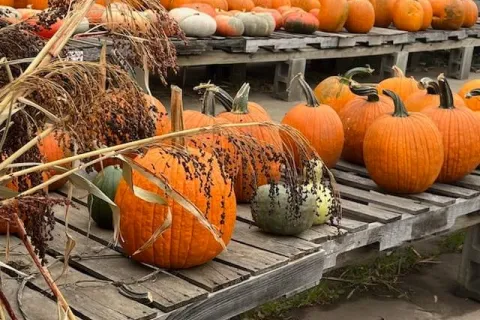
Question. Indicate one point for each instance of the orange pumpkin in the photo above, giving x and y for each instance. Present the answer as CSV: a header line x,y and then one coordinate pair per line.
x,y
315,12
472,102
306,5
17,4
300,22
427,14
264,172
228,26
275,14
448,15
333,15
54,147
403,152
384,13
280,3
38,4
94,15
471,13
335,92
224,150
357,116
242,5
408,15
202,7
416,102
263,3
460,131
400,84
217,204
325,130
361,16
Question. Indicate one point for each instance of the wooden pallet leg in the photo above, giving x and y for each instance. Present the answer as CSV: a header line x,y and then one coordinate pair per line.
x,y
139,75
284,73
399,59
469,273
459,63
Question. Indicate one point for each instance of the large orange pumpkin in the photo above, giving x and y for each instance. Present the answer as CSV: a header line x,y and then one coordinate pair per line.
x,y
242,5
357,116
225,151
471,13
361,16
401,85
324,130
38,4
427,14
333,15
472,102
280,3
448,14
202,7
403,151
264,171
460,132
186,243
384,13
335,92
418,101
54,147
263,3
306,5
408,15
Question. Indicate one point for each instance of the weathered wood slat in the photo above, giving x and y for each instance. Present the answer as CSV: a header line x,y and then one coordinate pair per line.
x,y
368,213
251,259
363,182
471,182
321,233
409,206
91,298
352,225
169,292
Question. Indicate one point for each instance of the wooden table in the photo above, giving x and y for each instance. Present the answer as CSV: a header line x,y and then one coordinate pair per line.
x,y
256,268
291,51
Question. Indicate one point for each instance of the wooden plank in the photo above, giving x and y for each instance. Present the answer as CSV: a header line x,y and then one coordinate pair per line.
x,y
249,294
251,259
409,206
352,225
470,182
169,292
290,247
92,300
368,213
363,182
453,191
321,233
213,276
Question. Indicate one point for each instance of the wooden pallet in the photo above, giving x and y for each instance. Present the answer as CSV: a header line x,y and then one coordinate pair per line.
x,y
256,268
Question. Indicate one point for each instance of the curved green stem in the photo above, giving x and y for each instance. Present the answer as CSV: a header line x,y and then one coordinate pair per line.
x,y
208,104
359,70
240,102
307,91
473,93
430,85
400,110
446,96
221,95
365,91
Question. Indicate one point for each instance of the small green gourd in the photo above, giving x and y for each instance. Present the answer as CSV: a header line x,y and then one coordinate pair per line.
x,y
324,196
107,181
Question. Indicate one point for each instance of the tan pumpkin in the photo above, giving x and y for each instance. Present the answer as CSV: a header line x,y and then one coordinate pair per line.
x,y
194,23
229,26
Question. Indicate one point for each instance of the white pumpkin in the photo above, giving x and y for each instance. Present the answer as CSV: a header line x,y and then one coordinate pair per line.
x,y
83,26
194,23
257,24
9,14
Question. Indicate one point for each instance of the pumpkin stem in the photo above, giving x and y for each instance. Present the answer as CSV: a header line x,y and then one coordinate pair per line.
x,y
208,103
307,91
221,95
370,92
240,102
430,85
347,77
400,110
176,108
397,72
446,96
473,93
